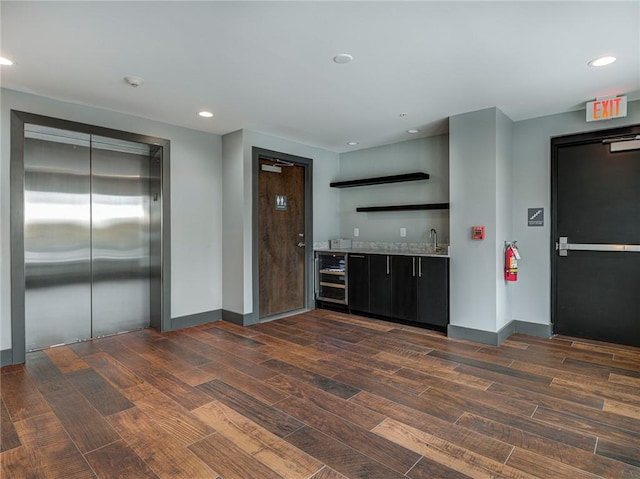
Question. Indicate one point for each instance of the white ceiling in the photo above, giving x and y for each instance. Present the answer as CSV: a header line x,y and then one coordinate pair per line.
x,y
267,66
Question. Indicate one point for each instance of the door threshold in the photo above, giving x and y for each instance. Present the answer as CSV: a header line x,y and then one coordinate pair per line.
x,y
84,340
286,314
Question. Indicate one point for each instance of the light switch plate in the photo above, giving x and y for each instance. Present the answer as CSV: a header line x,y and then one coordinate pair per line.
x,y
356,232
403,232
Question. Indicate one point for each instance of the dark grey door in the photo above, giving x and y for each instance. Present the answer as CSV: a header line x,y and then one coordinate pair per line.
x,y
596,266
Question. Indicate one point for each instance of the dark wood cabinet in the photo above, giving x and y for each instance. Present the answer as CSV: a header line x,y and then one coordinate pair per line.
x,y
358,281
433,291
406,288
380,284
403,288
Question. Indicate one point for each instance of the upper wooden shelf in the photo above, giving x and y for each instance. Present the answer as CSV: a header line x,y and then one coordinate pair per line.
x,y
380,180
428,206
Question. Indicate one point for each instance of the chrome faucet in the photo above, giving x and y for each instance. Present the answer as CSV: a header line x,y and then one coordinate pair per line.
x,y
433,234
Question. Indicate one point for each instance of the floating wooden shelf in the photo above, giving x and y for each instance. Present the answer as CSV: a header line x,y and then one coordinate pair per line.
x,y
380,180
428,206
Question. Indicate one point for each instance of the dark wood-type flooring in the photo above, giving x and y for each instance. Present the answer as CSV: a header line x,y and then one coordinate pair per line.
x,y
322,395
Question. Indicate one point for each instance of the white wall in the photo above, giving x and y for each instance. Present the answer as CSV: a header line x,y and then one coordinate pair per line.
x,y
531,295
429,155
238,243
196,202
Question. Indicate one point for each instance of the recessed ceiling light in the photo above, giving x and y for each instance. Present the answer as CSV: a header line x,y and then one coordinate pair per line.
x,y
205,114
5,61
602,61
413,131
343,58
353,143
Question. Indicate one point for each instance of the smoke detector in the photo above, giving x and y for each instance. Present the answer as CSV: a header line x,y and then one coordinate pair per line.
x,y
134,81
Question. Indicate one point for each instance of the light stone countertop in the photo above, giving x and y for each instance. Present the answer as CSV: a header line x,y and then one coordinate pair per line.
x,y
400,252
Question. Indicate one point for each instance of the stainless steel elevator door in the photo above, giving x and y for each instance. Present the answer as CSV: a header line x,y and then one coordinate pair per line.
x,y
57,236
120,235
87,236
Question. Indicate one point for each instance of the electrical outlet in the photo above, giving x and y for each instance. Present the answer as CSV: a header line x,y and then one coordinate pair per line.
x,y
356,232
403,232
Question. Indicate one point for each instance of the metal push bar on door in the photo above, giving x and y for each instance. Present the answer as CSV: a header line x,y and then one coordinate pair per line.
x,y
563,247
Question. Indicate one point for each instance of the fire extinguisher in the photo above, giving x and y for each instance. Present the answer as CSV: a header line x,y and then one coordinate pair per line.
x,y
511,257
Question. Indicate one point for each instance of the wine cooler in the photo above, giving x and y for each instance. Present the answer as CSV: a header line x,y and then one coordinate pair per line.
x,y
331,277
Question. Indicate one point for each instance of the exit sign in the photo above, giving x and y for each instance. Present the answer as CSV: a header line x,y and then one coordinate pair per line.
x,y
607,108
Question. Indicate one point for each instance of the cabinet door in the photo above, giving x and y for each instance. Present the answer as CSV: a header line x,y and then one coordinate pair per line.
x,y
358,274
433,291
403,287
380,284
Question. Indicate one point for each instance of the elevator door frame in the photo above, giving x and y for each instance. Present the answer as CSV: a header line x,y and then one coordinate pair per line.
x,y
162,319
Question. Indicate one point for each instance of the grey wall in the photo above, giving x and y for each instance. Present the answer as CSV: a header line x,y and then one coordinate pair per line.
x,y
233,222
504,193
531,163
486,151
499,169
430,155
473,183
238,188
196,202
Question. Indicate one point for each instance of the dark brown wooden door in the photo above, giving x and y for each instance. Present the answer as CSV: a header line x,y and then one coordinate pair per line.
x,y
281,247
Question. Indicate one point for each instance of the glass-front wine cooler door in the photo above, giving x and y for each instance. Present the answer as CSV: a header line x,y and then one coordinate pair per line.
x,y
331,278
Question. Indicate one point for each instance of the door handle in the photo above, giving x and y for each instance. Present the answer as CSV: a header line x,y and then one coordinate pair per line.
x,y
301,244
316,286
563,247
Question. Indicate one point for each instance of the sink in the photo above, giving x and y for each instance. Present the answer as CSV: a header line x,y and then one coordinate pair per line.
x,y
439,250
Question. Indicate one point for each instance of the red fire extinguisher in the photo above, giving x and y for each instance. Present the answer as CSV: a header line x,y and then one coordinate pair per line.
x,y
511,257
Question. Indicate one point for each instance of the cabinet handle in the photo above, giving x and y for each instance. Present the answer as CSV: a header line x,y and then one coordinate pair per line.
x,y
414,266
420,267
317,286
356,256
387,264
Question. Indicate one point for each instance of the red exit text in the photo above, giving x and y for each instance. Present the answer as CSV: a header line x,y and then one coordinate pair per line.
x,y
607,109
